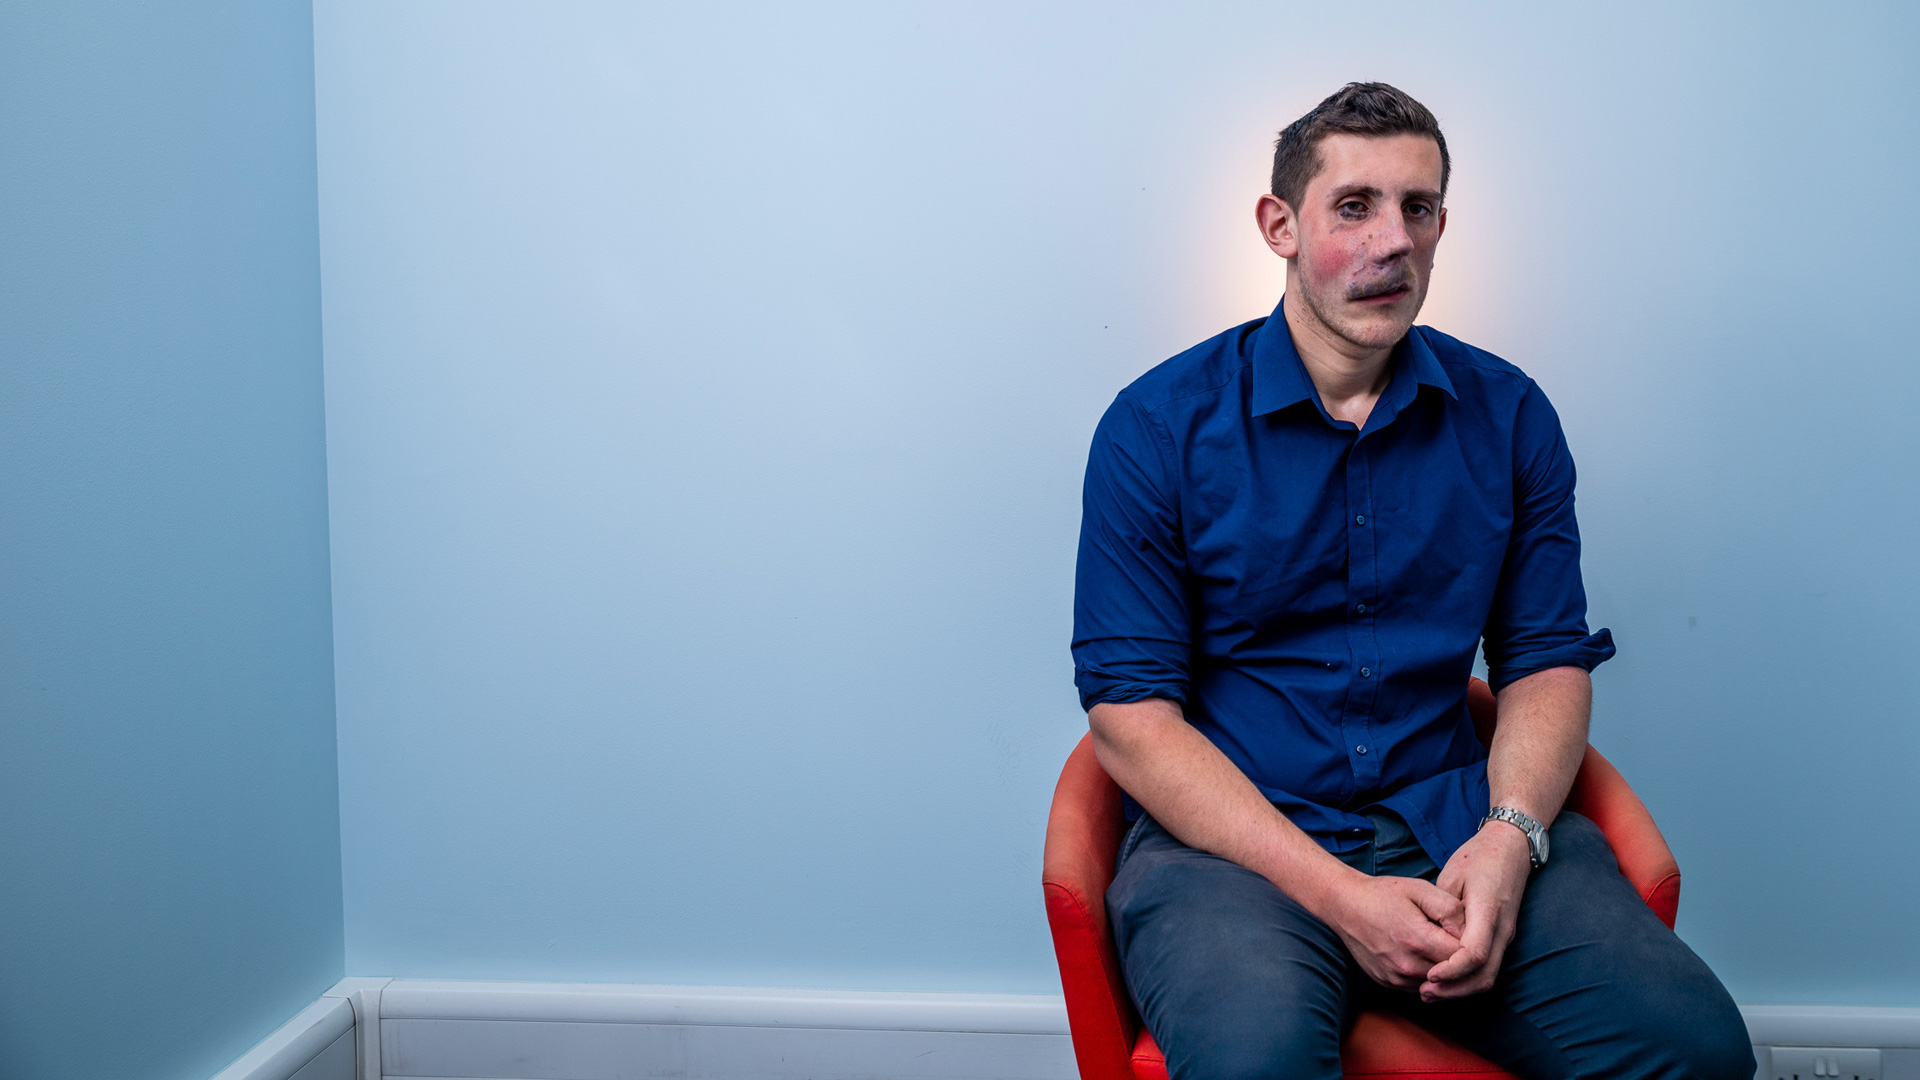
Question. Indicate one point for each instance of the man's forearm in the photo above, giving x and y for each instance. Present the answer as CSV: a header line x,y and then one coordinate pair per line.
x,y
1396,928
1206,802
1539,741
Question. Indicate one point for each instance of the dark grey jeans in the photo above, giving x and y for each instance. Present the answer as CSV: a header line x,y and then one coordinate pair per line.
x,y
1236,981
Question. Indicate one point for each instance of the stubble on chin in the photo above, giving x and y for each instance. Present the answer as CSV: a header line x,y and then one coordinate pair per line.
x,y
1376,329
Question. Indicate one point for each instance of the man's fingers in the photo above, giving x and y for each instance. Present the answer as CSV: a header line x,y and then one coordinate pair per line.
x,y
1412,926
1476,948
1463,964
1433,939
1429,943
1465,961
1496,955
1461,975
1440,906
1432,991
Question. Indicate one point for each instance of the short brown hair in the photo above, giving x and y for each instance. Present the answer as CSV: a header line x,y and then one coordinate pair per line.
x,y
1369,108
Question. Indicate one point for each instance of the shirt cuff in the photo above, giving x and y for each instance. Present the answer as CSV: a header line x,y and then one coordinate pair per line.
x,y
1587,653
1098,686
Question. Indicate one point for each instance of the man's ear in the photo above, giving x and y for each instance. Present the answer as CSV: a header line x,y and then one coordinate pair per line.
x,y
1278,226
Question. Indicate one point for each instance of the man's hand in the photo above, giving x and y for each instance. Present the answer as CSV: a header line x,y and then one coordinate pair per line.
x,y
1488,875
1398,928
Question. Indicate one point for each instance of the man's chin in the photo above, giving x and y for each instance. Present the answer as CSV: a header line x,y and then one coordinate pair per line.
x,y
1377,329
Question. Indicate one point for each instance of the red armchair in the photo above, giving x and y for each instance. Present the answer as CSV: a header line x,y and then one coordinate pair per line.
x,y
1083,835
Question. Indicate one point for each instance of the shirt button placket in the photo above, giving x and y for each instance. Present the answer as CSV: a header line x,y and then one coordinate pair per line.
x,y
1362,567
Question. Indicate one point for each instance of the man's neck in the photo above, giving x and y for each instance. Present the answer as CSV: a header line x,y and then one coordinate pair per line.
x,y
1349,377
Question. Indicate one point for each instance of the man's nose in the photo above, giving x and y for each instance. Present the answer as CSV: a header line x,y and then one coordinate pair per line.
x,y
1392,240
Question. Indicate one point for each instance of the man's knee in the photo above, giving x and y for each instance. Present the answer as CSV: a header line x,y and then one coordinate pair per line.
x,y
1715,1047
1686,1040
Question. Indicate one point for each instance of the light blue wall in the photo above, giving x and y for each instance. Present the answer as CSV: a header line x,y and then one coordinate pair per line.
x,y
708,389
169,844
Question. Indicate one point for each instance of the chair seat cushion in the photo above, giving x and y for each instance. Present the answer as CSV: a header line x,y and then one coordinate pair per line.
x,y
1380,1045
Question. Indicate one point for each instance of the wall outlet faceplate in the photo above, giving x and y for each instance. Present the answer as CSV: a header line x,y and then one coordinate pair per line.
x,y
1823,1063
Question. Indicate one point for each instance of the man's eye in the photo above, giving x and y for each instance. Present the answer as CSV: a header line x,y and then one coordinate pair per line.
x,y
1353,208
1419,210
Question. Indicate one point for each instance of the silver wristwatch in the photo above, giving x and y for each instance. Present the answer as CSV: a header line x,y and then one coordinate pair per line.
x,y
1536,832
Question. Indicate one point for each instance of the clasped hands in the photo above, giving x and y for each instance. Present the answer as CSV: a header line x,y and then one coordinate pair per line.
x,y
1445,939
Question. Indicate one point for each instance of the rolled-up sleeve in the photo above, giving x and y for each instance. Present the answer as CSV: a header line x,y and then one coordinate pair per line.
x,y
1131,630
1539,614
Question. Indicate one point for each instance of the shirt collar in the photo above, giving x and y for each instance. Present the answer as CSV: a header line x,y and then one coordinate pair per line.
x,y
1280,379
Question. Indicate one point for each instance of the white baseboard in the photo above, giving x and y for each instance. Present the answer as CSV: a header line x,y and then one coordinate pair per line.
x,y
549,1031
364,995
1832,1025
317,1044
409,1029
724,1006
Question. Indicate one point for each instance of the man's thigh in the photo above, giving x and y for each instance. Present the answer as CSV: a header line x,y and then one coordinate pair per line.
x,y
1233,978
1594,985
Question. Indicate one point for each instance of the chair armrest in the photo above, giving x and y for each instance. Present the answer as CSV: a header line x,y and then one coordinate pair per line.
x,y
1083,835
1601,794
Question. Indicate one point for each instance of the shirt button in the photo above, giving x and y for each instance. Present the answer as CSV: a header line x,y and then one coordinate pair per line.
x,y
1361,608
1366,673
1359,749
1359,519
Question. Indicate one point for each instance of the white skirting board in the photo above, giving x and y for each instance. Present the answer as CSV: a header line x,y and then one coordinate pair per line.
x,y
317,1044
405,1029
534,1031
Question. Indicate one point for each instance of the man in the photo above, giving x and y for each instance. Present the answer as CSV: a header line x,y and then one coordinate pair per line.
x,y
1295,536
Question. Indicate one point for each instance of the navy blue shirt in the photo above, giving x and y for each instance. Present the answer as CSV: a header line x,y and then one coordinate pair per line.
x,y
1313,593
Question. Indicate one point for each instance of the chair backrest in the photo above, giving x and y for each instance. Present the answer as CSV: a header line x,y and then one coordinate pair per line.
x,y
1083,839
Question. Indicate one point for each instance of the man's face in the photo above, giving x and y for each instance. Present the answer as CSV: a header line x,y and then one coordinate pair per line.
x,y
1361,244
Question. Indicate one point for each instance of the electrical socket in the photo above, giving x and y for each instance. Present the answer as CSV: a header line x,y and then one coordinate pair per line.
x,y
1824,1062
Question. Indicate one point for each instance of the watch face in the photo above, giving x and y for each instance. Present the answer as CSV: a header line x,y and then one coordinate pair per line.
x,y
1542,837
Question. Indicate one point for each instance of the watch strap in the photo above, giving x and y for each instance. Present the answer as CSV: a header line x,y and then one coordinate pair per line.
x,y
1536,833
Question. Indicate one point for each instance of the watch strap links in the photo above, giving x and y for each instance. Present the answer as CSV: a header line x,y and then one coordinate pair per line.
x,y
1536,833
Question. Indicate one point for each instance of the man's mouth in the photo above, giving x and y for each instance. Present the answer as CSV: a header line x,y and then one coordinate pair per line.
x,y
1384,291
